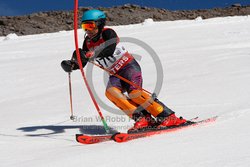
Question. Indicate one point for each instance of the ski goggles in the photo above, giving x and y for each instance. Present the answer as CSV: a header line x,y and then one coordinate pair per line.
x,y
89,25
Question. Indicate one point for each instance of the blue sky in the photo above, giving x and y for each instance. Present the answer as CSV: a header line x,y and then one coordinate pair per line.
x,y
22,7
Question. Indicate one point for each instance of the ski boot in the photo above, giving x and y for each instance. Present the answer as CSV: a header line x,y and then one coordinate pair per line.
x,y
171,120
143,121
167,117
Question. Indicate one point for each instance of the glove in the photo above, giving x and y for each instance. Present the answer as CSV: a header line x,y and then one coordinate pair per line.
x,y
84,59
69,65
74,56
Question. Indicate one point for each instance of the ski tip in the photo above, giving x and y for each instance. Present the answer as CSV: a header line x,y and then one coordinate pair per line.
x,y
77,137
212,118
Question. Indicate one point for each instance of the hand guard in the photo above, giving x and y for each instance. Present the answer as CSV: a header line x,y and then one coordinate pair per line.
x,y
90,54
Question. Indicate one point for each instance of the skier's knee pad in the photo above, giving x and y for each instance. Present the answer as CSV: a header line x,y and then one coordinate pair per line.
x,y
120,100
146,101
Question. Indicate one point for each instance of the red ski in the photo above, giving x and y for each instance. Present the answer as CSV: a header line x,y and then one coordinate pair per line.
x,y
85,139
124,137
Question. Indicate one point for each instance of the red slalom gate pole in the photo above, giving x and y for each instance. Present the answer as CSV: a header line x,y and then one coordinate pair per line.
x,y
81,68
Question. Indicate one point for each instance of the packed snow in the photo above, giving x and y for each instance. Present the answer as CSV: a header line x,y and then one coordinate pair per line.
x,y
206,72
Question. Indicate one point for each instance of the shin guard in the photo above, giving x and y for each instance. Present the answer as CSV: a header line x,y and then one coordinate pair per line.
x,y
121,101
146,101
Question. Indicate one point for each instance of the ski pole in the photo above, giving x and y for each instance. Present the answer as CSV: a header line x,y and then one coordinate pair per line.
x,y
81,68
72,117
122,78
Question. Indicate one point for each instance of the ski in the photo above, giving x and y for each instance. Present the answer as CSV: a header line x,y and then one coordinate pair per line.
x,y
124,137
86,139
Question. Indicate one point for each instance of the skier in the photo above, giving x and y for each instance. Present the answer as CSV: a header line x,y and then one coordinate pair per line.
x,y
102,45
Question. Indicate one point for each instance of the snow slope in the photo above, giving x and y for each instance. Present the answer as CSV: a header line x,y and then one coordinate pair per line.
x,y
206,73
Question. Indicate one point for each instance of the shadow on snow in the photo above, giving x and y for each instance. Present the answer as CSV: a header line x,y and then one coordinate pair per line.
x,y
60,129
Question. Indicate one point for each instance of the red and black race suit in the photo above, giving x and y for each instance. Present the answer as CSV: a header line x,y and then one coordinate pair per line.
x,y
109,53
